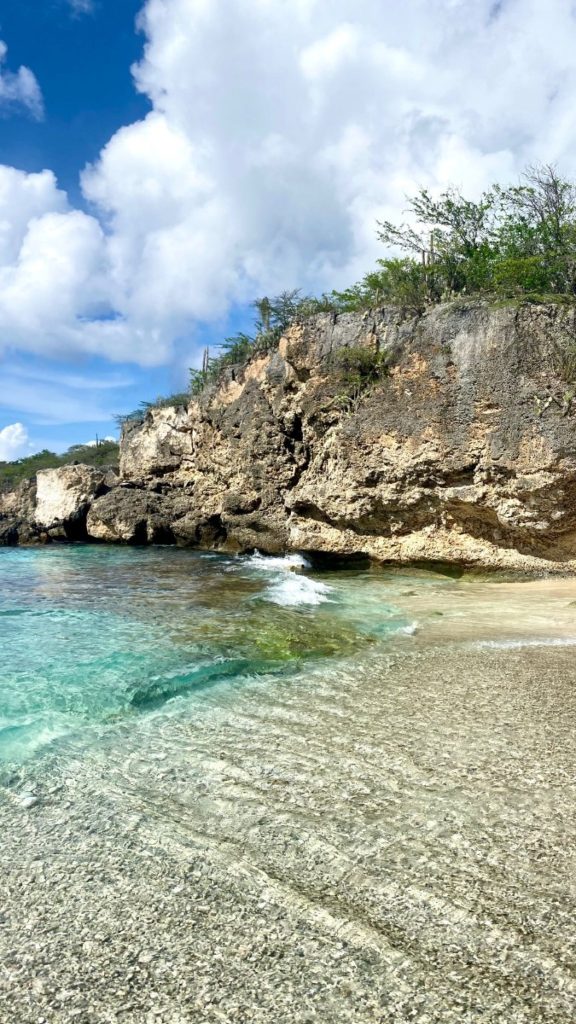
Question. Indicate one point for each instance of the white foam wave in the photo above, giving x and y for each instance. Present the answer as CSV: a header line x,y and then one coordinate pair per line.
x,y
20,739
408,630
288,585
297,590
565,641
272,563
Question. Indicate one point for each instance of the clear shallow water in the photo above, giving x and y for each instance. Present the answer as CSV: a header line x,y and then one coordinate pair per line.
x,y
91,635
236,792
88,635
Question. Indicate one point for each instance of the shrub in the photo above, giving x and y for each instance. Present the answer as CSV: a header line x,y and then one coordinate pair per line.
x,y
162,402
355,369
273,318
402,282
104,454
515,276
513,241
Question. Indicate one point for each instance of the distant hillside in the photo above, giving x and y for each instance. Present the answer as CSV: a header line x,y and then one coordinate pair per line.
x,y
104,454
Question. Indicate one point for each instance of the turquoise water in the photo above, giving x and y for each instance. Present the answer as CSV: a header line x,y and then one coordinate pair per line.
x,y
244,775
89,634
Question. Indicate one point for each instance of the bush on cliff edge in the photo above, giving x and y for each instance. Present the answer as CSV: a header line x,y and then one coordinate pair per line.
x,y
514,243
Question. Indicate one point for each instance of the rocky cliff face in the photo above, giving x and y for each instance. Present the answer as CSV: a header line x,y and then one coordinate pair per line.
x,y
63,498
465,452
17,510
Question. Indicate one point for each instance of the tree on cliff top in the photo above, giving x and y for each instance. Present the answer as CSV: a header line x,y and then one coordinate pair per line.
x,y
514,241
103,455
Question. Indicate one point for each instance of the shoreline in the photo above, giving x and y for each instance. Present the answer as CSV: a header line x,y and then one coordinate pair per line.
x,y
327,561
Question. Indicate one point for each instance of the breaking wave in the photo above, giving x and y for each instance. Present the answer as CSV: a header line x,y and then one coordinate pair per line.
x,y
298,590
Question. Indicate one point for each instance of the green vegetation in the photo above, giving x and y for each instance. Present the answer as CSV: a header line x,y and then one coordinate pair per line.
x,y
273,318
398,282
514,244
105,454
354,369
162,402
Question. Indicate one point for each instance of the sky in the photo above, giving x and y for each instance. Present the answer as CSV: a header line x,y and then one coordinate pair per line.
x,y
163,163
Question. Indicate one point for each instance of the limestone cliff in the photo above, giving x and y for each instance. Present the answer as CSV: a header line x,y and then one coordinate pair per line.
x,y
17,510
64,496
464,452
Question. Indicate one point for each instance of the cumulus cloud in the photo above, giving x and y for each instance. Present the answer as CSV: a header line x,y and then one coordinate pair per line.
x,y
279,133
19,88
14,442
53,274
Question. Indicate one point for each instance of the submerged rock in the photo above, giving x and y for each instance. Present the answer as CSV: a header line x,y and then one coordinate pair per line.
x,y
27,801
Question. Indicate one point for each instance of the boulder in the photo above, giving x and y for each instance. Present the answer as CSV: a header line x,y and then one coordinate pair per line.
x,y
17,515
156,447
63,497
20,503
131,516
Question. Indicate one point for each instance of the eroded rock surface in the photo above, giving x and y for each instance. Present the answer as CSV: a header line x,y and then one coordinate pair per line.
x,y
63,497
131,516
17,514
465,452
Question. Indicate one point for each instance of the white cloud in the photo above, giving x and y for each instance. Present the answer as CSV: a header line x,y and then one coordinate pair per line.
x,y
50,405
76,381
171,233
93,444
19,88
46,398
280,132
81,6
14,442
24,198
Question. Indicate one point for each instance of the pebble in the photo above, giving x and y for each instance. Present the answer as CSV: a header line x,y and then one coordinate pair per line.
x,y
432,896
28,801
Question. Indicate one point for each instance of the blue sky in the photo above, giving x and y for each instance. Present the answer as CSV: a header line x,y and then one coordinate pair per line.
x,y
82,63
81,59
156,177
83,107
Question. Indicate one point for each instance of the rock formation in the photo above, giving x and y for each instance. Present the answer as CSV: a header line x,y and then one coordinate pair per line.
x,y
463,452
17,509
63,497
132,516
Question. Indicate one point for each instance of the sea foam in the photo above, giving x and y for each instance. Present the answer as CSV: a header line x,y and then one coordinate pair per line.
x,y
564,641
272,563
296,590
